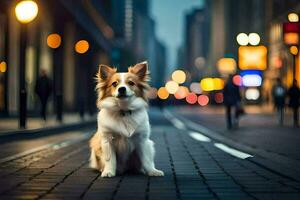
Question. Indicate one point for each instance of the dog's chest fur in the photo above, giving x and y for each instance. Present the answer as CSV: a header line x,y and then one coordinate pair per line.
x,y
118,123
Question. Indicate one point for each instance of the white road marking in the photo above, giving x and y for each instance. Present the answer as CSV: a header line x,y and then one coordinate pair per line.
x,y
232,151
178,124
199,137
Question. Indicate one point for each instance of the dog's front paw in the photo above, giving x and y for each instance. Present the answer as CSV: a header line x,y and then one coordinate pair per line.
x,y
107,173
156,172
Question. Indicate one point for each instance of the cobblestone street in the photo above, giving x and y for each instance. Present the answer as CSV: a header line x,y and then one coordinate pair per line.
x,y
193,170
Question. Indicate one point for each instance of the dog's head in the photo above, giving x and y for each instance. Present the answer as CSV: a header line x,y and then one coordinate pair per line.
x,y
123,86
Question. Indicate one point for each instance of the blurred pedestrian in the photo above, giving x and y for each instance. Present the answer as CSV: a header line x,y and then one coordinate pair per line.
x,y
232,100
43,89
294,96
279,94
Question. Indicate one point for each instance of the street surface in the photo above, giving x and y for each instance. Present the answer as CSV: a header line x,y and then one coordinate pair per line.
x,y
197,165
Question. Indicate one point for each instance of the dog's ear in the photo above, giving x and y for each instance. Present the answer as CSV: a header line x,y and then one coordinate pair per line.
x,y
105,72
141,70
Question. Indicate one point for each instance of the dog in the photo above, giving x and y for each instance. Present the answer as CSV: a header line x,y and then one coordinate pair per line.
x,y
122,141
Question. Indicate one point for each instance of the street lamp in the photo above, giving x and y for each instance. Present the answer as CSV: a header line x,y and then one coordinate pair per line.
x,y
25,11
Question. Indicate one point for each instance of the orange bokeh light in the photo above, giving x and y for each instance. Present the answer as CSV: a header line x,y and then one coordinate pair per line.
x,y
203,100
53,40
191,98
162,93
82,46
252,57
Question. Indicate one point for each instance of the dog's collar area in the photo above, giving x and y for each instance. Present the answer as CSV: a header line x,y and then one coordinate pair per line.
x,y
125,112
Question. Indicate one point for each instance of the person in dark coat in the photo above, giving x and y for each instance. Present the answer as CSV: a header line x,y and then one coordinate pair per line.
x,y
279,94
232,99
43,89
294,96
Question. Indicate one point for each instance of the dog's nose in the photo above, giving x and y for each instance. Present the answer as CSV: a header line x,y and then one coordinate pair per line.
x,y
122,90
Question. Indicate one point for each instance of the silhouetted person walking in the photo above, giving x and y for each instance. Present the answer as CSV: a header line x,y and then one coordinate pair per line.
x,y
279,94
43,88
294,96
232,99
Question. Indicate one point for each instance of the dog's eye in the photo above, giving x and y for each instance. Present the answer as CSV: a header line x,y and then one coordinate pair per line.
x,y
131,83
115,84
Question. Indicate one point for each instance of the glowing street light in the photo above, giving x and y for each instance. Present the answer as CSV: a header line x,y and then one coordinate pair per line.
x,y
26,11
254,39
293,17
242,39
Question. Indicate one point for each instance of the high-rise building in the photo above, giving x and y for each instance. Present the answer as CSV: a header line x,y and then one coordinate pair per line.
x,y
196,41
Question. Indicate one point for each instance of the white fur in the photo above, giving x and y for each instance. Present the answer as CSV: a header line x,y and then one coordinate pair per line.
x,y
121,135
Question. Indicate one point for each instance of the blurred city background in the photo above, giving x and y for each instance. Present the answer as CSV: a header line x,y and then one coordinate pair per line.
x,y
191,47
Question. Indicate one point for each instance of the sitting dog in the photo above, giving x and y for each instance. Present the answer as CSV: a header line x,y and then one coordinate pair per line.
x,y
122,140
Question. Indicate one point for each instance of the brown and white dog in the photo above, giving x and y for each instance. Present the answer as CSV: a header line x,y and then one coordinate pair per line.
x,y
122,140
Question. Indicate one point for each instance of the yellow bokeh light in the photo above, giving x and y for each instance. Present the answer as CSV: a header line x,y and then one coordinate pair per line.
x,y
172,87
26,11
207,84
82,46
162,93
3,67
53,40
293,17
218,83
211,84
294,50
179,76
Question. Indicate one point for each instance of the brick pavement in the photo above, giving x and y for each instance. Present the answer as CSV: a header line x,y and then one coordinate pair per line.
x,y
193,170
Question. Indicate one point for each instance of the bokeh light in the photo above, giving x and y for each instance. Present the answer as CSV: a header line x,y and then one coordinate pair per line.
x,y
210,84
3,67
293,17
237,80
82,46
254,39
152,93
181,93
218,83
179,76
162,93
294,50
252,94
219,97
26,11
251,80
203,100
54,40
191,98
195,87
207,84
172,87
242,39
226,65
